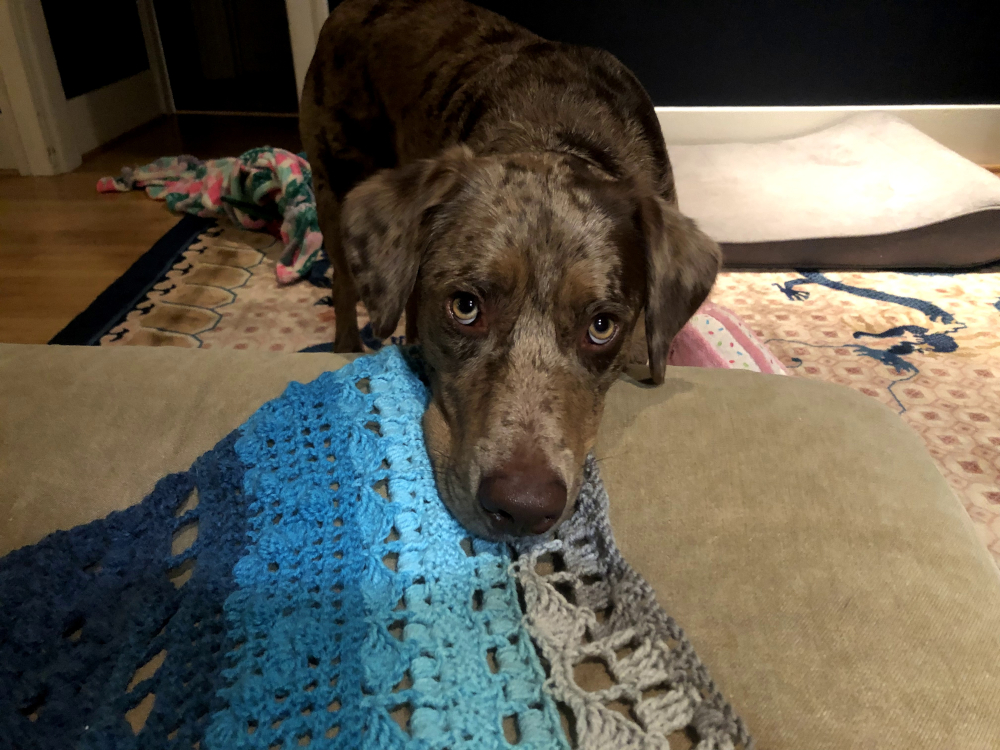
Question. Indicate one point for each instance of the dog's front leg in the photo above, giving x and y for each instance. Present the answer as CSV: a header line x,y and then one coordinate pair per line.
x,y
345,296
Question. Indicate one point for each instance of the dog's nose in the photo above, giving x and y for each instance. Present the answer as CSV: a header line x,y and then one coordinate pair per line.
x,y
523,496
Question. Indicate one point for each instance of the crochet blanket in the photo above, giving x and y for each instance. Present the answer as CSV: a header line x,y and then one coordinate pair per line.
x,y
302,584
263,189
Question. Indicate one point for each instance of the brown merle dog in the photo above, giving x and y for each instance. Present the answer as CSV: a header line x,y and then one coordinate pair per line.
x,y
514,196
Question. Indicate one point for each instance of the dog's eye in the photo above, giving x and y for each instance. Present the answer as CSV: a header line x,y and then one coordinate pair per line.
x,y
602,329
465,308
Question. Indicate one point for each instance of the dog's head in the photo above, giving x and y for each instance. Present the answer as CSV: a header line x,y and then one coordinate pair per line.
x,y
531,272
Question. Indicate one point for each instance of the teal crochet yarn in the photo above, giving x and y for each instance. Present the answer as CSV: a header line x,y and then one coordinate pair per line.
x,y
363,616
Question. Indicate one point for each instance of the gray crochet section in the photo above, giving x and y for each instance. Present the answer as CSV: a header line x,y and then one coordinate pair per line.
x,y
595,621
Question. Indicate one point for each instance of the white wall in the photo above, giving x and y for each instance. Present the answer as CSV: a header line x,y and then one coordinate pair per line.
x,y
105,113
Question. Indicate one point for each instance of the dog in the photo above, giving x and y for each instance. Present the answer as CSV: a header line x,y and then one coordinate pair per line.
x,y
514,197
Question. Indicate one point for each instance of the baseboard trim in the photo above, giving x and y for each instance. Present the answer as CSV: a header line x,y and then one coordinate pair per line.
x,y
971,130
228,113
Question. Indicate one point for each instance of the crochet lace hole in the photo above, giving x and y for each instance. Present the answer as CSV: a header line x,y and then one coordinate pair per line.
x,y
491,661
656,691
306,432
624,708
624,652
400,605
567,720
393,536
396,630
270,443
332,732
467,547
137,715
512,730
277,519
182,573
327,443
391,560
184,537
402,715
311,686
305,739
273,567
94,568
31,708
603,615
147,670
592,675
364,385
404,684
74,629
477,600
382,488
566,590
313,662
334,706
276,723
683,739
251,726
385,464
546,565
374,427
189,504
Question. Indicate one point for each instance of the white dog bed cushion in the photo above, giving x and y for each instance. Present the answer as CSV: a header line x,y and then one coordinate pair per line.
x,y
869,192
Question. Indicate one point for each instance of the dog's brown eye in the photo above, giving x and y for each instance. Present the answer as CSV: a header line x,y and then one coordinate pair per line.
x,y
465,308
602,329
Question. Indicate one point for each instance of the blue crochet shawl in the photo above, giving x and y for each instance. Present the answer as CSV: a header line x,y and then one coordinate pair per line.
x,y
303,585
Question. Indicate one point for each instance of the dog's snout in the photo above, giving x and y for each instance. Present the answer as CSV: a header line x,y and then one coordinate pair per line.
x,y
523,496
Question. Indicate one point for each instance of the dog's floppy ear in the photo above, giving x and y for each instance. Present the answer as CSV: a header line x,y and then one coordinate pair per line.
x,y
681,265
384,223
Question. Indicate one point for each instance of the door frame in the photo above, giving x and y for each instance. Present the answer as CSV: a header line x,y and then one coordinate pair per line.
x,y
305,20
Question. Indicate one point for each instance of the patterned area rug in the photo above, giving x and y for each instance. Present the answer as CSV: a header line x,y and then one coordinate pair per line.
x,y
221,293
925,344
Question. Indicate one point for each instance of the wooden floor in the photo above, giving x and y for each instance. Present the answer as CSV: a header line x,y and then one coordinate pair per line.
x,y
62,243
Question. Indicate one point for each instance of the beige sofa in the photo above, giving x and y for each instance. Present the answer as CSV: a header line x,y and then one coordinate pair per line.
x,y
798,531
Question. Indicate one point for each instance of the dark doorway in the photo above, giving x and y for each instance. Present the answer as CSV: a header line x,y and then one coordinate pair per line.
x,y
228,55
95,49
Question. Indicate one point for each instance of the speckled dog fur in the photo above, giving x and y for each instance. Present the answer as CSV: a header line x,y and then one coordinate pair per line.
x,y
455,152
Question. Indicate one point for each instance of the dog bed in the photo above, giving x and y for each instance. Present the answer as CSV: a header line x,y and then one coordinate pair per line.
x,y
870,192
